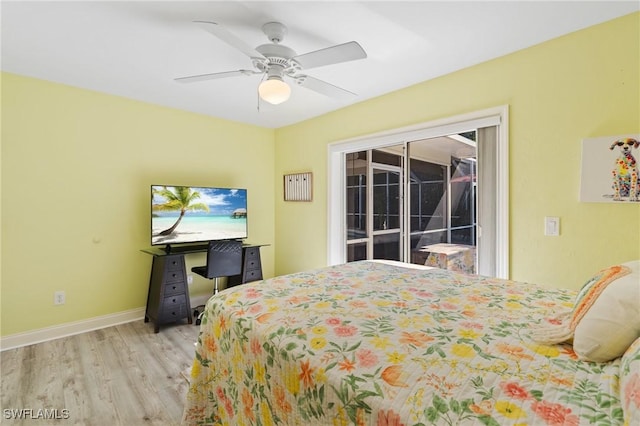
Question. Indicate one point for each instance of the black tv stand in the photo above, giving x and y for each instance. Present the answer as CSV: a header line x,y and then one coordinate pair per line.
x,y
168,298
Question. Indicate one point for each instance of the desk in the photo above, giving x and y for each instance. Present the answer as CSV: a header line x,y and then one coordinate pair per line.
x,y
455,257
168,298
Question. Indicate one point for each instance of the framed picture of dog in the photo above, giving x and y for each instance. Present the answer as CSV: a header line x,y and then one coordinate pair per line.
x,y
610,169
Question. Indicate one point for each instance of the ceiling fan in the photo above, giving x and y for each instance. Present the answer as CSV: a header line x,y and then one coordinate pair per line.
x,y
276,61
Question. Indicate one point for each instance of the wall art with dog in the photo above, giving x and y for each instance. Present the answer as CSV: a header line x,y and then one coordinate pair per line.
x,y
610,169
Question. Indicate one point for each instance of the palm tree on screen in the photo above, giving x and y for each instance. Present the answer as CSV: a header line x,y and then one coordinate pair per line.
x,y
182,199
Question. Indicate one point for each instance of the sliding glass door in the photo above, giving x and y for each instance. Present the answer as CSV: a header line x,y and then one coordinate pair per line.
x,y
374,232
440,225
453,191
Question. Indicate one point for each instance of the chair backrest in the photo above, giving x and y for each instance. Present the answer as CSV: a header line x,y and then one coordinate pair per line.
x,y
224,259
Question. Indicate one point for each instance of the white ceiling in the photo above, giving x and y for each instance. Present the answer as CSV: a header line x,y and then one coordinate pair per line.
x,y
135,49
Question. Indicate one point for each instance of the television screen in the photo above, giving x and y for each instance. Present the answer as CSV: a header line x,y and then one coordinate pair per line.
x,y
188,214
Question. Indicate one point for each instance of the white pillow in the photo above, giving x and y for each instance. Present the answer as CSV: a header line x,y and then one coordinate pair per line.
x,y
606,317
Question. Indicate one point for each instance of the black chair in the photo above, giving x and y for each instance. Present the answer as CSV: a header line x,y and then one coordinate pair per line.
x,y
224,259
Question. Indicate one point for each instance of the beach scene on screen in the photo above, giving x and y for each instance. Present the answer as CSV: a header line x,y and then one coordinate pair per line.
x,y
193,214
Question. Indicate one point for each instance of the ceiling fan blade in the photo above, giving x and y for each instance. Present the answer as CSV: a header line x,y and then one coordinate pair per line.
x,y
323,87
233,41
331,55
213,76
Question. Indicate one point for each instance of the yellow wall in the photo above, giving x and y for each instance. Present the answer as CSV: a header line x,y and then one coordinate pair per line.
x,y
582,85
77,165
76,171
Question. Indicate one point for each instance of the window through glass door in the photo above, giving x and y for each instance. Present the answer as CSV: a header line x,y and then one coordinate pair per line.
x,y
442,204
440,226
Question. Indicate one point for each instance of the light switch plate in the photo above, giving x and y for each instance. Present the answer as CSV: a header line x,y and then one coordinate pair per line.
x,y
552,226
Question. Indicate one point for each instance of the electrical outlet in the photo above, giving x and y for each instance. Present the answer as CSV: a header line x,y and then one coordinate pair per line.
x,y
189,279
59,298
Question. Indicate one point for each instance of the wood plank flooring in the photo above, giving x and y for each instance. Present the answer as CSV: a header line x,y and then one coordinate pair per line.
x,y
122,375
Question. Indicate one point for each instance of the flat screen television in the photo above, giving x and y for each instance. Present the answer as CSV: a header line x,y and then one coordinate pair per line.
x,y
192,214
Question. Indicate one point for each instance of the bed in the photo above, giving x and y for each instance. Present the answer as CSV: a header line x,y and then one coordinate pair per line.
x,y
371,343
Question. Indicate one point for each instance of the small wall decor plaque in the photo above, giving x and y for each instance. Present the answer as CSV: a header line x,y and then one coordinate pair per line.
x,y
298,187
610,169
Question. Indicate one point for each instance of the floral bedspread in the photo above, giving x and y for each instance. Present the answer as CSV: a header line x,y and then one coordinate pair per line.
x,y
368,343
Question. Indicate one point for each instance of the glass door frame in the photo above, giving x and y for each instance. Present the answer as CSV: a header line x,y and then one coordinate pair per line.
x,y
370,232
497,116
401,205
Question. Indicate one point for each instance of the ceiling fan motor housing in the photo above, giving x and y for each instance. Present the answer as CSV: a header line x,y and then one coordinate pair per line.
x,y
276,54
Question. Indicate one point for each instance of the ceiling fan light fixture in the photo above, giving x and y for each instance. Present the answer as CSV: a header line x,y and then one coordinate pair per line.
x,y
274,90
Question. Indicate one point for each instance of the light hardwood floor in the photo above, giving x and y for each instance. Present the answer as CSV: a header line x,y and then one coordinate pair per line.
x,y
121,375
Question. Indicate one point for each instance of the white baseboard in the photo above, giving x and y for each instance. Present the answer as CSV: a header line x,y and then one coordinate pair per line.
x,y
69,329
18,340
